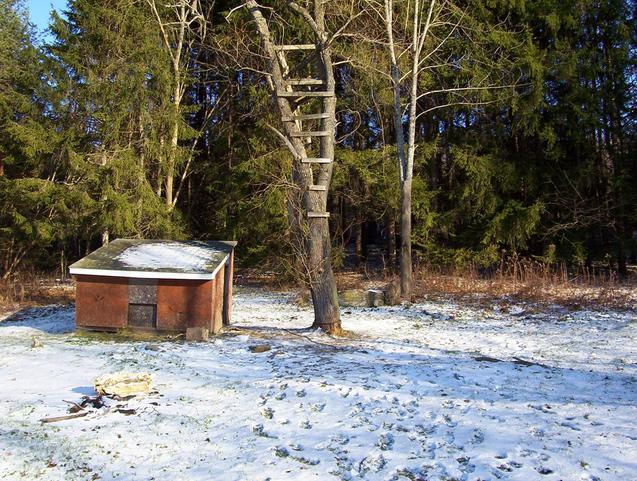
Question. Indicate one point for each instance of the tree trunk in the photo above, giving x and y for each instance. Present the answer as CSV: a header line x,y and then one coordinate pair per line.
x,y
177,35
405,194
405,240
172,156
405,191
322,282
406,150
141,148
391,240
405,178
159,173
358,239
622,264
324,293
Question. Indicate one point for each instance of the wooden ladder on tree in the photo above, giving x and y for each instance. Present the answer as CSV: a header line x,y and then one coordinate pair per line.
x,y
296,91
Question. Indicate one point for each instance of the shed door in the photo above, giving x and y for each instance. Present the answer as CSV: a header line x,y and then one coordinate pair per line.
x,y
142,303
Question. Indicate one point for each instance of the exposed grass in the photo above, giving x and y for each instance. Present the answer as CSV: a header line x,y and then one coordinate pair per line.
x,y
31,289
514,280
532,281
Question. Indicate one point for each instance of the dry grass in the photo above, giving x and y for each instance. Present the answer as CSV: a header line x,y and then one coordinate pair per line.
x,y
256,278
532,281
32,289
514,280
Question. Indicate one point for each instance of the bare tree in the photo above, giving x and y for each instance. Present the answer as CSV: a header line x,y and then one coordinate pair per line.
x,y
311,176
181,23
415,37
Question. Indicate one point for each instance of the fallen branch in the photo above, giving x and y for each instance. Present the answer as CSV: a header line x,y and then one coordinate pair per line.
x,y
126,412
487,359
524,362
516,360
322,344
63,418
75,407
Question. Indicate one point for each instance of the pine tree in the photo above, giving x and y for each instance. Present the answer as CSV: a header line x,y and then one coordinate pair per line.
x,y
112,84
37,213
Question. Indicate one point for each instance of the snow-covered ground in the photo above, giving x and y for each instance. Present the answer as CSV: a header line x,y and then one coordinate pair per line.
x,y
415,394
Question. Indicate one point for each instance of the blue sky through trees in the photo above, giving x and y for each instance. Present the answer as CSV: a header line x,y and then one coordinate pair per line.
x,y
40,11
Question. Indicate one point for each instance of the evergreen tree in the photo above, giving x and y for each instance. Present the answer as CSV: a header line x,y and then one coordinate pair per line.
x,y
111,85
88,148
38,213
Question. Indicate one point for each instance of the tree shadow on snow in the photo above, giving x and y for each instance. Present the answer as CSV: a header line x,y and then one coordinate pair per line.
x,y
85,390
390,367
53,319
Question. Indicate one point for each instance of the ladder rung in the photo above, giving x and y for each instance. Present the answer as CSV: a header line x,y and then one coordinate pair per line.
x,y
302,46
317,160
311,133
306,81
320,93
306,117
318,188
318,214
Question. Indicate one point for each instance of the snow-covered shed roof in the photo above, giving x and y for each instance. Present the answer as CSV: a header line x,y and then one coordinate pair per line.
x,y
156,259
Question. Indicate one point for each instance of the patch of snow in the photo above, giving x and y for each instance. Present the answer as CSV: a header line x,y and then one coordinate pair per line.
x,y
166,256
405,399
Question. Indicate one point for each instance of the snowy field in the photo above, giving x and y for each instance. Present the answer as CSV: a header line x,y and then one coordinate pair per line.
x,y
438,391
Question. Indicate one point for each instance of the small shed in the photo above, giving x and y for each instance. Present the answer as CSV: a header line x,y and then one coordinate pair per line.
x,y
160,285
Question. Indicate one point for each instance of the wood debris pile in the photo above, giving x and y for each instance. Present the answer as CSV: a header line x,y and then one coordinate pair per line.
x,y
120,387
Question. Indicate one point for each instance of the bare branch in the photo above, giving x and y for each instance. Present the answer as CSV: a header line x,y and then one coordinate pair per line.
x,y
469,88
285,141
455,104
308,18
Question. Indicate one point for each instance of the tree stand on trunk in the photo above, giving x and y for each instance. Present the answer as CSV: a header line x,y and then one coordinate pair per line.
x,y
310,223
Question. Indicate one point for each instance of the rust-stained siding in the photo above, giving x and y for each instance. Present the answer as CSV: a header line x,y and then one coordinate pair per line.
x,y
101,302
184,303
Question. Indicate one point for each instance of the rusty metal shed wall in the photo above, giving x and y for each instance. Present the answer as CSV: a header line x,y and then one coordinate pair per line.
x,y
101,302
184,303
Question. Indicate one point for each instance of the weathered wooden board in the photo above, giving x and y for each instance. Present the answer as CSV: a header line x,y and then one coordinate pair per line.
x,y
320,93
142,291
303,46
305,81
294,118
316,160
311,133
142,315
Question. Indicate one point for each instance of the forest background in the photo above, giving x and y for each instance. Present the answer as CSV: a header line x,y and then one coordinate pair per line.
x,y
109,129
